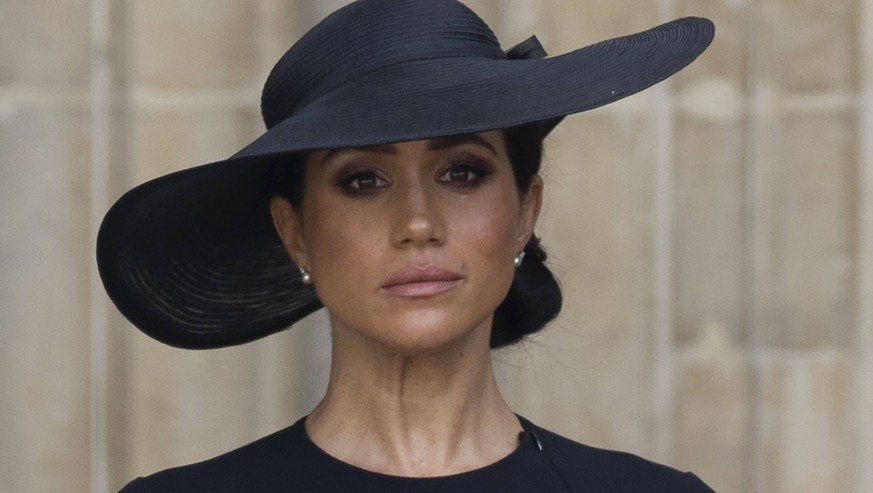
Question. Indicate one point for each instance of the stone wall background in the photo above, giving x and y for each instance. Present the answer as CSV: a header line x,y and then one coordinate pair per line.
x,y
714,236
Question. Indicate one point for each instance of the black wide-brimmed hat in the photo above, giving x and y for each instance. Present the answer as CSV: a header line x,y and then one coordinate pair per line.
x,y
192,258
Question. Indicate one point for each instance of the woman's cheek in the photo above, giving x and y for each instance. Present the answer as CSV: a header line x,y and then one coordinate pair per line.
x,y
492,234
348,253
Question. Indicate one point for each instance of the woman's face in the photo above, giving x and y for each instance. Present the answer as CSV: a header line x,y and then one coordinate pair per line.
x,y
410,245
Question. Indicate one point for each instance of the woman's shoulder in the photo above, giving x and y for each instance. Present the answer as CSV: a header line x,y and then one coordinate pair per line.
x,y
287,461
586,468
258,466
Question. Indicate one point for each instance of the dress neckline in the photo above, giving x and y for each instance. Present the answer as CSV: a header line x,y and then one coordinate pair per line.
x,y
528,445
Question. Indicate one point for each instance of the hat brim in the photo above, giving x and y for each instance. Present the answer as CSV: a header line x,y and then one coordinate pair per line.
x,y
449,96
192,259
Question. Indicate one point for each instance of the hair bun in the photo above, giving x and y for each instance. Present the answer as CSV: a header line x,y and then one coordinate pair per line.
x,y
534,299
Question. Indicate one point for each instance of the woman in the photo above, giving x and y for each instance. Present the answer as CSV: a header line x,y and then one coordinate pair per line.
x,y
399,175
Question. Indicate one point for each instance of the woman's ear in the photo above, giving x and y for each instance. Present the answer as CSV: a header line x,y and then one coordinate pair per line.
x,y
288,225
531,203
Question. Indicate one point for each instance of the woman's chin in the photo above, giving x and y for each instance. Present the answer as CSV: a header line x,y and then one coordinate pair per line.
x,y
427,332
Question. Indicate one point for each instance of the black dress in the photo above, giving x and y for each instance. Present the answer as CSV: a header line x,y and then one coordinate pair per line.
x,y
288,461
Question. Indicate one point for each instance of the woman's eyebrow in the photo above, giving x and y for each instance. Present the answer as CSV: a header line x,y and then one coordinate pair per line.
x,y
439,143
377,148
457,140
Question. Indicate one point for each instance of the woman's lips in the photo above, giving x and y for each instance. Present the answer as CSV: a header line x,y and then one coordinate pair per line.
x,y
416,281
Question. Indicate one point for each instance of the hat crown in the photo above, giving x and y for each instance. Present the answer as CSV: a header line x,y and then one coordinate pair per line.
x,y
367,35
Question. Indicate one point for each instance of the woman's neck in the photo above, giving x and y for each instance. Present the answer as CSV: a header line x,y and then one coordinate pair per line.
x,y
430,414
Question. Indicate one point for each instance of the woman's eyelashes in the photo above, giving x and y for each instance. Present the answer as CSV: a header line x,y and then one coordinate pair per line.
x,y
467,173
360,182
464,173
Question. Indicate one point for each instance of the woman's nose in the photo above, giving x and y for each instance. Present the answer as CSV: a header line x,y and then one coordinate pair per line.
x,y
419,221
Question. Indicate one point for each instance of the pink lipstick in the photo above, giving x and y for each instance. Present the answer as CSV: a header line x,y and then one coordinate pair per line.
x,y
416,281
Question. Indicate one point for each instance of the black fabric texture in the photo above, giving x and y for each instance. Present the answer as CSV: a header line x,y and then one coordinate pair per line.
x,y
288,461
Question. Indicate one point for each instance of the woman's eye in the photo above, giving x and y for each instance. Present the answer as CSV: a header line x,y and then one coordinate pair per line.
x,y
361,182
463,175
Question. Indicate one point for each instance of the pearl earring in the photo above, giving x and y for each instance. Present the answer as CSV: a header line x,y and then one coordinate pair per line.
x,y
304,276
519,257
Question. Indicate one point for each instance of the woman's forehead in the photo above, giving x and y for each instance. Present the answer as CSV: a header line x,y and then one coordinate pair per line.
x,y
491,141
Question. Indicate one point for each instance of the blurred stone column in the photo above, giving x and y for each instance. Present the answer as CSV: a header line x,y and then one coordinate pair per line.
x,y
863,384
710,255
194,70
44,251
728,330
803,240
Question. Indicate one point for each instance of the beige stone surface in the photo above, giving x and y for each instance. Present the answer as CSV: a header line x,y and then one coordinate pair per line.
x,y
44,255
713,413
590,373
712,321
182,397
811,238
709,245
208,402
167,140
803,427
808,45
281,26
44,43
194,44
727,58
572,24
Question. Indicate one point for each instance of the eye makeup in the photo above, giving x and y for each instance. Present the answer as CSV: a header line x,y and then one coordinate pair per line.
x,y
357,180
